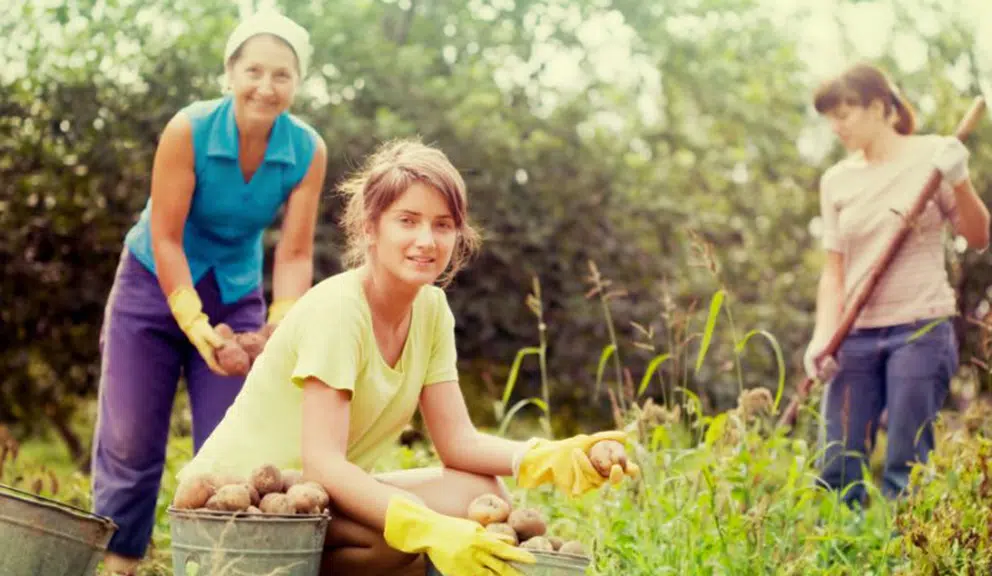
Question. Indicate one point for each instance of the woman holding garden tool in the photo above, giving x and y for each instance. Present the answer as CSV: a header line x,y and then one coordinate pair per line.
x,y
223,170
901,351
353,360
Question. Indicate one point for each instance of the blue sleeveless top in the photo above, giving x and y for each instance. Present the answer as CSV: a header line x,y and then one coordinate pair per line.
x,y
228,216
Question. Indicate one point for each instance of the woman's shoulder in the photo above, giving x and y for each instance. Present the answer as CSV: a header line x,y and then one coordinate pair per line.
x,y
200,109
838,170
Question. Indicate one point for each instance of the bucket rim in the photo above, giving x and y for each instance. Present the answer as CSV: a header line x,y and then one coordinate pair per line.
x,y
18,494
561,559
197,514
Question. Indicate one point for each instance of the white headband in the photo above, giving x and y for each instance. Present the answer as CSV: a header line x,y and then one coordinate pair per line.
x,y
269,22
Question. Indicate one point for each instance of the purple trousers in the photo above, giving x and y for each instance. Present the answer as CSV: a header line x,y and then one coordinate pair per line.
x,y
144,353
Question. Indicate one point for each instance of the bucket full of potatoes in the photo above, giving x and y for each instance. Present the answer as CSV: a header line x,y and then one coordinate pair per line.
x,y
271,522
528,528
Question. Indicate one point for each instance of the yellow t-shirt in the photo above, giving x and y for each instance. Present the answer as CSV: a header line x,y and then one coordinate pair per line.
x,y
328,335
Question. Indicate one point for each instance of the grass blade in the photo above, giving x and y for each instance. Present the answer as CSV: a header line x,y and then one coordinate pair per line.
x,y
779,359
652,366
516,408
715,305
511,381
603,359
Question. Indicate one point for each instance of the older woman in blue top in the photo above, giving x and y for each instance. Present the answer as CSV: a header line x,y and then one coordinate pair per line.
x,y
223,170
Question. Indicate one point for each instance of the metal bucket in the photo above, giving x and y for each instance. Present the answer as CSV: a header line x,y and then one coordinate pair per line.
x,y
224,544
43,536
547,564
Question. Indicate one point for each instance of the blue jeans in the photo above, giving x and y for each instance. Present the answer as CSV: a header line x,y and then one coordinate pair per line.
x,y
885,368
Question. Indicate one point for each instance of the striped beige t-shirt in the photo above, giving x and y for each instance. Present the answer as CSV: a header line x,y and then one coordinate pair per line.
x,y
863,206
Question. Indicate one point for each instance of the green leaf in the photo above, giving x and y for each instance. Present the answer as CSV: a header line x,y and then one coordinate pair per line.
x,y
516,408
604,357
715,303
779,360
652,366
511,381
716,429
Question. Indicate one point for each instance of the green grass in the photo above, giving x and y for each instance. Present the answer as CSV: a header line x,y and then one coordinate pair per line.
x,y
720,493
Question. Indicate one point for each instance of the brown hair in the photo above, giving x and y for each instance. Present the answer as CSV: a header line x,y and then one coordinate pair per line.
x,y
861,84
387,174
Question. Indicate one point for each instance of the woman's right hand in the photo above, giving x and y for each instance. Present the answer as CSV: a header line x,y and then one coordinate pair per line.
x,y
454,545
815,360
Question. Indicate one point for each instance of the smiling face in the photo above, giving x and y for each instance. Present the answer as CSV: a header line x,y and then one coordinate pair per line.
x,y
414,238
263,75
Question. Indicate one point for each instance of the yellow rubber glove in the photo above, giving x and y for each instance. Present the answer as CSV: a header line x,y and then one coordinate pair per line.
x,y
278,309
188,311
454,545
566,464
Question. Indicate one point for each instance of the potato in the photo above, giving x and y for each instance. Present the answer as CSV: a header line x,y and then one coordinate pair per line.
x,y
488,509
233,359
537,543
607,453
224,331
276,503
573,547
253,510
305,498
253,493
556,542
325,499
267,479
221,479
230,498
504,532
193,492
291,477
527,523
250,342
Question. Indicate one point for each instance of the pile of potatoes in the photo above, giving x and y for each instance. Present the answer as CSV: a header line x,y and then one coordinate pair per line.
x,y
239,350
267,490
527,527
523,527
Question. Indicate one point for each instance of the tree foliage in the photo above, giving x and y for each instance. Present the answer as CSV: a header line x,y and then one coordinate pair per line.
x,y
629,134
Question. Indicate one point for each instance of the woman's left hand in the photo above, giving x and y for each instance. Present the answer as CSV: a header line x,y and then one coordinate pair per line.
x,y
568,465
951,159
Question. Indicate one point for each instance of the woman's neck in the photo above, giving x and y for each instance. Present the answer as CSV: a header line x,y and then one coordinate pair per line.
x,y
884,147
390,300
251,135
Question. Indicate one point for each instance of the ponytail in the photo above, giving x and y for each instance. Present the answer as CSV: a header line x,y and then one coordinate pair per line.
x,y
906,121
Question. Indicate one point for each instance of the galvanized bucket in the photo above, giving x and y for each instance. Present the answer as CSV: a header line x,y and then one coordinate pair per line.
x,y
224,544
547,564
43,536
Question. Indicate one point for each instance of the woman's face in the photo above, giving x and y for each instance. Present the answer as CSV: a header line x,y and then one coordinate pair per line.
x,y
263,78
857,126
415,237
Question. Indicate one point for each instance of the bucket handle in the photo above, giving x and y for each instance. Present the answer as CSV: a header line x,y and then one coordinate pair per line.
x,y
54,503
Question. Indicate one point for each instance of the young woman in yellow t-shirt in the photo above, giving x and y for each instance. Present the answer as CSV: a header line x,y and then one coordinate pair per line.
x,y
352,361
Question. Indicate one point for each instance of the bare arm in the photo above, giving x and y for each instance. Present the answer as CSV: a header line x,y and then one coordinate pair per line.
x,y
459,445
973,216
353,491
173,181
830,297
292,269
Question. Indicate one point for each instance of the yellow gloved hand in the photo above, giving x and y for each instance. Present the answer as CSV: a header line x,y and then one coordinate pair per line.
x,y
188,311
454,545
566,464
278,309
